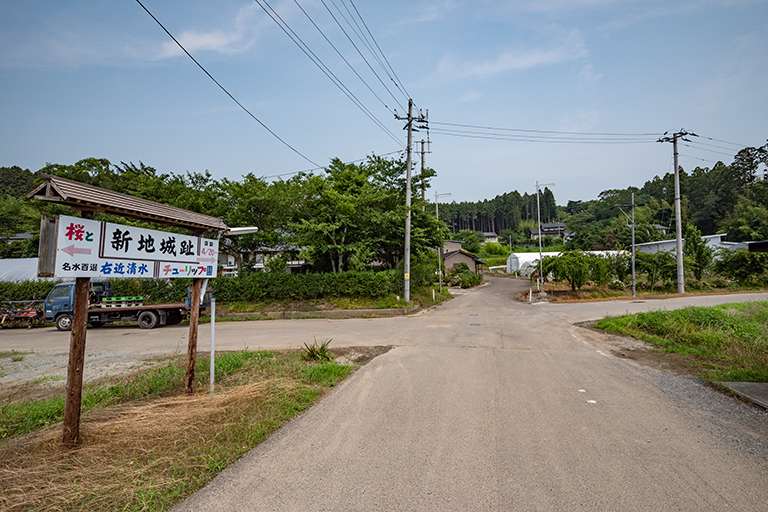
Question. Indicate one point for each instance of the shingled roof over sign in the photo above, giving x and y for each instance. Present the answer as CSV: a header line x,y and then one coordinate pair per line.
x,y
84,197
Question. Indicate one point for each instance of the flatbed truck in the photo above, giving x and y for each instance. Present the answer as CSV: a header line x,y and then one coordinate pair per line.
x,y
59,306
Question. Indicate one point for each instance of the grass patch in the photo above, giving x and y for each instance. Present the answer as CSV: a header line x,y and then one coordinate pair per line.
x,y
317,352
728,342
153,445
14,354
48,378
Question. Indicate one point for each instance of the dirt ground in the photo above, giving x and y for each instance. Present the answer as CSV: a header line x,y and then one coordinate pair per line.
x,y
646,354
41,376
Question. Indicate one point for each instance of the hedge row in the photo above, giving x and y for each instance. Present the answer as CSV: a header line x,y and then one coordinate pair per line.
x,y
279,286
249,287
25,290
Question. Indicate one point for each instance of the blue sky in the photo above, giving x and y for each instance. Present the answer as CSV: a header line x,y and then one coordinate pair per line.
x,y
85,78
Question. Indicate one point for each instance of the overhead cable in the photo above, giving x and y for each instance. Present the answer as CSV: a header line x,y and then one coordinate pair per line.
x,y
321,65
223,89
529,137
398,83
708,150
342,56
358,30
546,131
319,168
725,142
358,50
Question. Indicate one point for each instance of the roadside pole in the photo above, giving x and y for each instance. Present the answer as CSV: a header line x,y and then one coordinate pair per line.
x,y
213,340
194,316
74,395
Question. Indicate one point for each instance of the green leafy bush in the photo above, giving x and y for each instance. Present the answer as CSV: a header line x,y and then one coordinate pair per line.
x,y
25,290
278,286
317,352
742,265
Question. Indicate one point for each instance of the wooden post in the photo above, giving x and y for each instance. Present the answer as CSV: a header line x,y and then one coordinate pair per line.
x,y
194,315
76,362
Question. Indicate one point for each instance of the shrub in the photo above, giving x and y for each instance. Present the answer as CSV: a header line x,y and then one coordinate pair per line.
x,y
279,286
742,265
25,290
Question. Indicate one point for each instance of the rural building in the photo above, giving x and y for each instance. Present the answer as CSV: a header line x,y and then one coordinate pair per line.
x,y
490,236
526,262
453,258
554,229
713,241
451,245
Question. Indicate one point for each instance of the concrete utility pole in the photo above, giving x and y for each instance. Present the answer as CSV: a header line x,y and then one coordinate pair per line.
x,y
423,188
407,258
538,209
439,249
633,235
678,215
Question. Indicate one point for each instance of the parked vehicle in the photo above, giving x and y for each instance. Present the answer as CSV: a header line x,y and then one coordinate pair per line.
x,y
21,311
103,308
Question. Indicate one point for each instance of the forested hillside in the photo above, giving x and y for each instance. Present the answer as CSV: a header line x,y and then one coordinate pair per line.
x,y
727,198
351,216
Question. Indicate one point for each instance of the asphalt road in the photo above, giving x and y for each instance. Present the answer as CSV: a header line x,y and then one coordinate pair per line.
x,y
484,404
488,404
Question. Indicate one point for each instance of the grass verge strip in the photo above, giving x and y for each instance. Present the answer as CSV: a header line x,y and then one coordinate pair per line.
x,y
148,452
728,342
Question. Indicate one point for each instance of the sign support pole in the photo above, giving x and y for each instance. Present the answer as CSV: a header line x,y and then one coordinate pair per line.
x,y
213,342
73,398
194,315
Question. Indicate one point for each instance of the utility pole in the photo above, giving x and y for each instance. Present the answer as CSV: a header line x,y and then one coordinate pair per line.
x,y
633,234
407,259
538,209
423,188
439,249
678,215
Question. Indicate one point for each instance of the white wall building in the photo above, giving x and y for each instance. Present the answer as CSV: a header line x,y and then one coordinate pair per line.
x,y
713,241
523,262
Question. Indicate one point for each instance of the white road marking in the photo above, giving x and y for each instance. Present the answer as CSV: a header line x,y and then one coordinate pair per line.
x,y
591,401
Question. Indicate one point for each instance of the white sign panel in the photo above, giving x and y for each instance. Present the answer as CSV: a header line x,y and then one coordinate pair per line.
x,y
89,248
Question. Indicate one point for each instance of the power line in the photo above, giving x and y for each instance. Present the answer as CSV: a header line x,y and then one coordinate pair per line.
x,y
321,65
319,168
342,56
399,82
538,138
548,131
710,145
695,158
725,142
222,87
708,150
361,35
358,50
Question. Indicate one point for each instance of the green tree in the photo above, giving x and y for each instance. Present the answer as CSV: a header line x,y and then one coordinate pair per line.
x,y
471,240
658,266
15,181
697,250
748,221
571,266
742,265
357,213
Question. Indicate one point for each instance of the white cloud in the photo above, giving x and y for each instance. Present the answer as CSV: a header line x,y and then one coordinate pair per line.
x,y
571,48
236,39
430,11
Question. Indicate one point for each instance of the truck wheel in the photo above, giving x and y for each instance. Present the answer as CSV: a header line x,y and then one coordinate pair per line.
x,y
64,322
147,320
173,318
